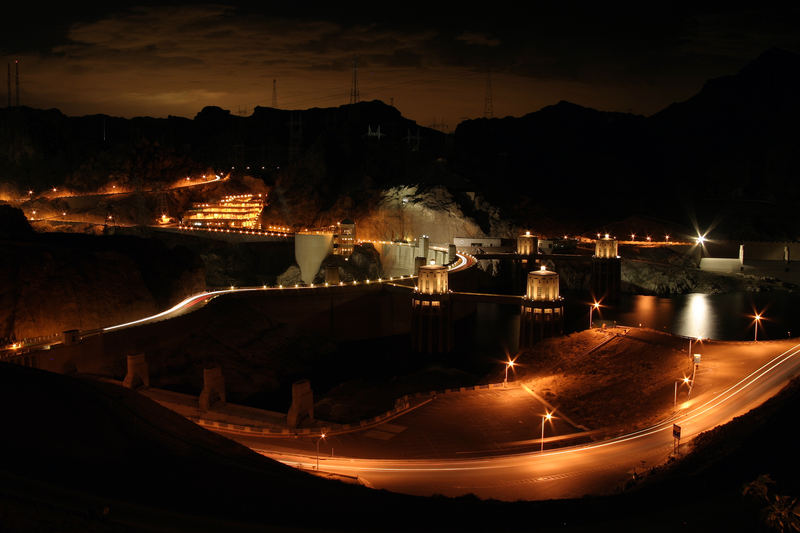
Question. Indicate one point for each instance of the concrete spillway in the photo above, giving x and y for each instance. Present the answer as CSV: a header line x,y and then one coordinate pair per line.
x,y
310,249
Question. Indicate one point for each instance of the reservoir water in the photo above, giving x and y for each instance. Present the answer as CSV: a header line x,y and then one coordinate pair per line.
x,y
715,316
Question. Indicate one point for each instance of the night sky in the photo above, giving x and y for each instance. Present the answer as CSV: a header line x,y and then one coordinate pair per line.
x,y
132,59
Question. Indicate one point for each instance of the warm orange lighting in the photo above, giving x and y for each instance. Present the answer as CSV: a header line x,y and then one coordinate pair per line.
x,y
548,416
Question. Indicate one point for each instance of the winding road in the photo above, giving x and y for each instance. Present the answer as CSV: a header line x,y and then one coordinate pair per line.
x,y
599,467
574,471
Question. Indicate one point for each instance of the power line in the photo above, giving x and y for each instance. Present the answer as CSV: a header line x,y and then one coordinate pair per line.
x,y
309,98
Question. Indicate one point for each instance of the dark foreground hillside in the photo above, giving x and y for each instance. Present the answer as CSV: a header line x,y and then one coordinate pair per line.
x,y
78,455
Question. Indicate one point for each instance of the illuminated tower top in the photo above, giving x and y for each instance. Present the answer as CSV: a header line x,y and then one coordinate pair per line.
x,y
527,244
542,285
605,248
432,279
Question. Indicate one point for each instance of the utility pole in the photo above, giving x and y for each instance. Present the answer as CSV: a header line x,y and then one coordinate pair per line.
x,y
274,94
354,96
16,66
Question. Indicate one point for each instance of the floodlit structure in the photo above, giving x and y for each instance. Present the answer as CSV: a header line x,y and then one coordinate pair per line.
x,y
234,211
345,237
310,249
431,312
542,313
527,244
606,269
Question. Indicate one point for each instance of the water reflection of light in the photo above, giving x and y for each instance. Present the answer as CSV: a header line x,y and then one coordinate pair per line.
x,y
697,318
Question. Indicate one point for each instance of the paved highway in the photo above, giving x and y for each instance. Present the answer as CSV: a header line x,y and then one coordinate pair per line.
x,y
599,467
197,301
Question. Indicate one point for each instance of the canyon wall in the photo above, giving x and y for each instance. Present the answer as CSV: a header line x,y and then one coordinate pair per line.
x,y
53,282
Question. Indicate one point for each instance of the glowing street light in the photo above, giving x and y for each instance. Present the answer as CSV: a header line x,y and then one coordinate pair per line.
x,y
685,381
592,307
701,239
321,437
756,324
698,339
548,417
509,364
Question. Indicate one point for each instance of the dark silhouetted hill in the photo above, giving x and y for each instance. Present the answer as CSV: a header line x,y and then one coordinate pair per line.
x,y
727,155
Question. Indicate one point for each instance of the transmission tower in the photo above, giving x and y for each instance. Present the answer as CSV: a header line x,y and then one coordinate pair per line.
x,y
488,108
354,96
274,94
16,66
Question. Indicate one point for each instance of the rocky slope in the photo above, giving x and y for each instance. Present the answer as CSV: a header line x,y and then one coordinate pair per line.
x,y
53,282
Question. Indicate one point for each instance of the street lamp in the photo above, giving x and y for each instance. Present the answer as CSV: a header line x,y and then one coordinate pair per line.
x,y
698,339
548,417
755,330
509,364
592,307
322,436
685,381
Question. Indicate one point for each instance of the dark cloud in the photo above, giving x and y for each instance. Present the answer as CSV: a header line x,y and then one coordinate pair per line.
x,y
146,57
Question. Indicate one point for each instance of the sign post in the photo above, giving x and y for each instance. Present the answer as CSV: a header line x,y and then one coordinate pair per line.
x,y
676,437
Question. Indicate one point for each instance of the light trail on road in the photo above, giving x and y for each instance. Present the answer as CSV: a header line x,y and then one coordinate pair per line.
x,y
463,262
572,471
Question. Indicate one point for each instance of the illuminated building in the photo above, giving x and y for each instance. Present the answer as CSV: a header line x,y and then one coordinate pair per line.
x,y
431,312
542,313
234,211
606,270
345,237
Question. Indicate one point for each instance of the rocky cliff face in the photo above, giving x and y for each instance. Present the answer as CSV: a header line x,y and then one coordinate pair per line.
x,y
408,212
641,277
50,283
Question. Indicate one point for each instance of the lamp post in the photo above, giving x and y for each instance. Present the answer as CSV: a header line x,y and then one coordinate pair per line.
x,y
592,307
675,399
698,339
322,436
755,329
548,417
509,364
